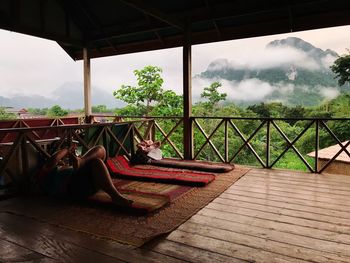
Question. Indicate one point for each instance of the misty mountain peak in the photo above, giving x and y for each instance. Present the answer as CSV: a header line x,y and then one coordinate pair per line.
x,y
287,70
294,42
219,64
300,44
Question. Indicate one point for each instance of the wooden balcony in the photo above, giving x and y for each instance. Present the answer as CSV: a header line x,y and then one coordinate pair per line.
x,y
267,216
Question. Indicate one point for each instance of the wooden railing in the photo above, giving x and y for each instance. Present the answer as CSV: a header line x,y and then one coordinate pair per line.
x,y
249,141
36,122
167,130
265,152
20,157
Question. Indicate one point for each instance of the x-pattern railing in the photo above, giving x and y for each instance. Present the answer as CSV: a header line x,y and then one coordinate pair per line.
x,y
153,128
35,122
267,123
119,136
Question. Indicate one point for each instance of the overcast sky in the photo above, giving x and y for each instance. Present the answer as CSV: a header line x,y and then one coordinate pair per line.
x,y
32,66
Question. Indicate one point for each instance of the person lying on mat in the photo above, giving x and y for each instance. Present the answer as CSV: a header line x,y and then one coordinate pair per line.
x,y
146,151
87,175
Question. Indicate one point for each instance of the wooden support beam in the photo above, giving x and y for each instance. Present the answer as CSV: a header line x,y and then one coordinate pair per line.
x,y
187,95
42,6
87,84
146,8
15,7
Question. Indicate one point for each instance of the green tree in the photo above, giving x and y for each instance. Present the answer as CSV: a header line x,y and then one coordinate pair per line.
x,y
56,111
169,105
101,109
4,115
295,112
261,109
38,111
212,95
341,68
147,92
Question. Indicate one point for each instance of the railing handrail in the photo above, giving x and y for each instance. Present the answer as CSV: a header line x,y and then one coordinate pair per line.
x,y
43,118
230,117
274,118
73,126
134,116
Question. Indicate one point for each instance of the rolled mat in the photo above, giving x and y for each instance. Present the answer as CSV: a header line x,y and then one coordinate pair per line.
x,y
194,165
119,166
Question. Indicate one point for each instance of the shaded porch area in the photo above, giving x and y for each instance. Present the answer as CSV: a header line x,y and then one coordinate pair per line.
x,y
266,216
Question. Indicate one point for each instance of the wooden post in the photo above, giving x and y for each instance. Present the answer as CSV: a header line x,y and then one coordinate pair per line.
x,y
87,85
187,96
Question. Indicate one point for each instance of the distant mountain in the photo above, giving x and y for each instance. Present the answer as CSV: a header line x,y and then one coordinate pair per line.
x,y
292,71
68,96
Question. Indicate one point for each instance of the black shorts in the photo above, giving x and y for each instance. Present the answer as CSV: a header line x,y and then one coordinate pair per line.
x,y
82,184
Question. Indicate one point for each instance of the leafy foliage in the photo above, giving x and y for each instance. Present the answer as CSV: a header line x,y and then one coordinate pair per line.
x,y
212,95
101,109
56,111
341,68
4,115
38,111
148,90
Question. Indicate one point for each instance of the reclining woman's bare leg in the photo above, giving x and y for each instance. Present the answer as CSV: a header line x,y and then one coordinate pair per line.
x,y
97,152
103,181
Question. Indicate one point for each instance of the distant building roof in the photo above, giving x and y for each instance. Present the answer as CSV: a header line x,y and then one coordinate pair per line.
x,y
329,152
16,111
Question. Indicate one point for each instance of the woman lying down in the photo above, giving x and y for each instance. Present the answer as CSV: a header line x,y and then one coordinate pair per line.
x,y
88,175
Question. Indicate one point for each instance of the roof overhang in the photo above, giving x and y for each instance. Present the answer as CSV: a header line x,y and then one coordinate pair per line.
x,y
112,27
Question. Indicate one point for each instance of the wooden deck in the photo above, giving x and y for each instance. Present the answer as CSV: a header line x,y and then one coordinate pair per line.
x,y
267,216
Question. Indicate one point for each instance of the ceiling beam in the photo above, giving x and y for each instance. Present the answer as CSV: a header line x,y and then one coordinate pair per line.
x,y
37,33
70,17
127,32
146,8
93,21
278,26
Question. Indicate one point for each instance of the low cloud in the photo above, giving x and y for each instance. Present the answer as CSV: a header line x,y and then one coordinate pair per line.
x,y
329,92
246,90
249,89
272,58
328,60
254,90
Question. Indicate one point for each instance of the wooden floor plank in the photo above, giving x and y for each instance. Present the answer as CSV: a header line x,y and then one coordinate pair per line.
x,y
290,206
317,184
328,249
295,193
278,226
228,248
191,254
283,211
10,252
287,197
280,218
331,178
16,228
54,248
297,190
261,243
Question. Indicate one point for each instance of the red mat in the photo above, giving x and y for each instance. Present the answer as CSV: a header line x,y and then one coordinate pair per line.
x,y
142,202
147,196
120,167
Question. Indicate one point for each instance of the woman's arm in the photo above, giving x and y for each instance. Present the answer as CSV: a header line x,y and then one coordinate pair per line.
x,y
53,161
